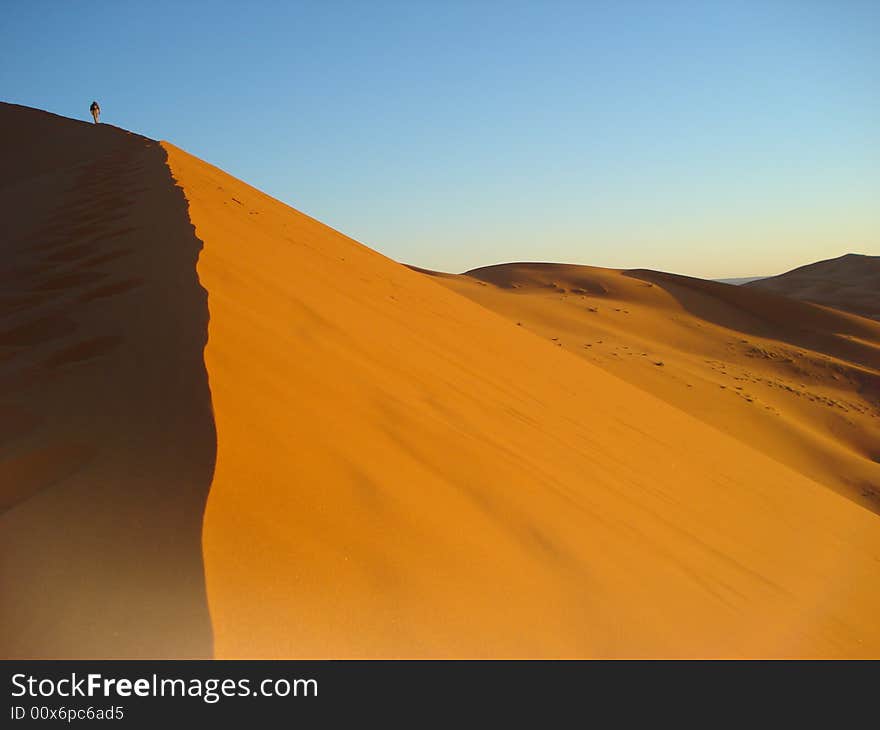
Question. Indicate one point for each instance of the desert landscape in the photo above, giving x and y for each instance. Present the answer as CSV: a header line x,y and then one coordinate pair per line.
x,y
228,430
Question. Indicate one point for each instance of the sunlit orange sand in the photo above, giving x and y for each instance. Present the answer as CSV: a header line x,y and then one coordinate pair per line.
x,y
798,382
396,470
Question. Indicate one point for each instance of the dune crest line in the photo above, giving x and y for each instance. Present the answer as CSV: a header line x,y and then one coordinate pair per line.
x,y
107,439
403,473
227,429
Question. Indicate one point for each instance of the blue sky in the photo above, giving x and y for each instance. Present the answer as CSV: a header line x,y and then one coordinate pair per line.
x,y
706,138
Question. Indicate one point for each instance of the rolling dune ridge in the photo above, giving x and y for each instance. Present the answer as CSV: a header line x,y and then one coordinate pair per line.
x,y
798,382
850,282
227,428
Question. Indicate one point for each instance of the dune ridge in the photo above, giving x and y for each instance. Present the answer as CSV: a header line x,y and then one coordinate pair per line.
x,y
106,433
402,472
850,282
796,381
269,440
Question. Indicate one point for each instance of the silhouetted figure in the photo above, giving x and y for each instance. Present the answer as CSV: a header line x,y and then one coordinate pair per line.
x,y
95,110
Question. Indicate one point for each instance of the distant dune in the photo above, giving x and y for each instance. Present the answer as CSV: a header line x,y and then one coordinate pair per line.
x,y
850,283
798,382
377,465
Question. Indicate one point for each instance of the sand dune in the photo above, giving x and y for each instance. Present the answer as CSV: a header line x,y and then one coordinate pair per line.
x,y
850,283
398,471
106,435
798,382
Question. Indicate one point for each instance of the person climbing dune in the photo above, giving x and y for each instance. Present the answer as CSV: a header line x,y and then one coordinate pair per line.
x,y
95,110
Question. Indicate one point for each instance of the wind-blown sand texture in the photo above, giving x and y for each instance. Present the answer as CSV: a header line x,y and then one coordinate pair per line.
x,y
375,464
798,382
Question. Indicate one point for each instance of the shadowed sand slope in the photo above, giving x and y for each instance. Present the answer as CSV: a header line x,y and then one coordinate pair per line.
x,y
401,472
106,434
800,383
850,283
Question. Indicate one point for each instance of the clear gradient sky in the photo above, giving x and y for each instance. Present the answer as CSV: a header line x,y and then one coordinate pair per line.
x,y
707,138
